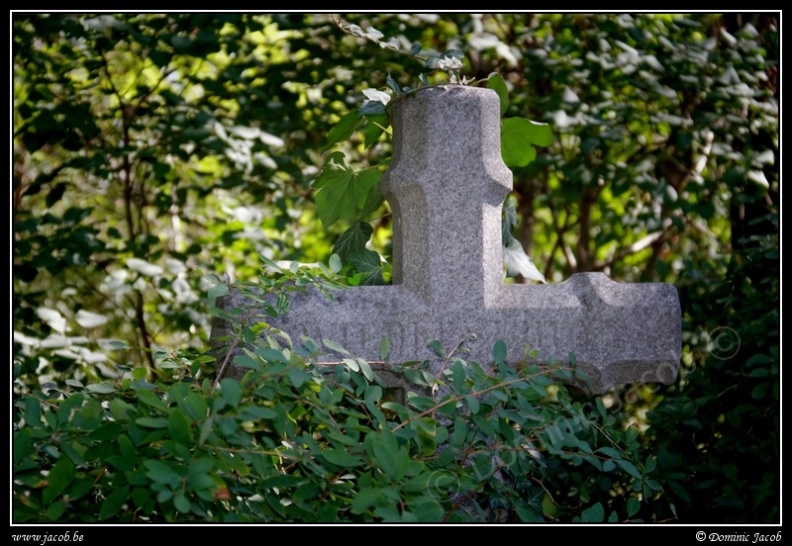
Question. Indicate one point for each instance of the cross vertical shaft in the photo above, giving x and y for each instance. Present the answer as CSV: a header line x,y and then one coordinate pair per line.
x,y
446,185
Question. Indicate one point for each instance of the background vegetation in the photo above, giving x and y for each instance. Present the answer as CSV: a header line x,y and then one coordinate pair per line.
x,y
155,154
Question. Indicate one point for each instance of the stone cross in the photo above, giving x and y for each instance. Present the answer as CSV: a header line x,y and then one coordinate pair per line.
x,y
446,185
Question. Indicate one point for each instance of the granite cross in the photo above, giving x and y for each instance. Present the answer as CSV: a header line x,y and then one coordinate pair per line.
x,y
446,186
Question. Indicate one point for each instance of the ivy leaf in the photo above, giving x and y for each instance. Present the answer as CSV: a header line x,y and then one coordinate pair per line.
x,y
369,265
376,95
392,84
518,138
344,194
372,108
496,83
518,262
342,130
353,241
375,126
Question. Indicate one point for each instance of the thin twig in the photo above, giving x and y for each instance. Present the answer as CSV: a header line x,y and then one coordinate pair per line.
x,y
476,393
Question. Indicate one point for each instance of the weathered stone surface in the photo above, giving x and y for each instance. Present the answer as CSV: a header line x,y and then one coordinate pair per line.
x,y
446,185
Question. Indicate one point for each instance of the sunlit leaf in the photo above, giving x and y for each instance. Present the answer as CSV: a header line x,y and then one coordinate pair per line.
x,y
518,138
496,83
344,194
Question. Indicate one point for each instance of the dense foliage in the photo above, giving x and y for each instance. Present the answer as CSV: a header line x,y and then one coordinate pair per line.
x,y
302,441
156,153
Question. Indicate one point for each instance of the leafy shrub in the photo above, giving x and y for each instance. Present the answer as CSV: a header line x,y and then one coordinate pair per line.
x,y
301,440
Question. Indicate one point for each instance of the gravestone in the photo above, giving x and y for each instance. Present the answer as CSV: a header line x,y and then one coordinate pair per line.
x,y
446,185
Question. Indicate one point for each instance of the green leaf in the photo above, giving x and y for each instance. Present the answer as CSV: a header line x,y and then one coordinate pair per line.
x,y
56,510
384,348
496,83
342,130
64,413
353,240
344,194
369,265
161,473
195,406
120,410
23,446
518,138
179,427
181,503
217,291
297,377
333,346
100,388
458,375
385,449
340,457
473,404
366,369
126,447
335,263
152,400
365,498
60,476
206,430
610,452
114,502
352,364
152,422
628,467
246,361
526,514
392,83
375,126
593,514
427,509
633,505
33,412
231,391
499,352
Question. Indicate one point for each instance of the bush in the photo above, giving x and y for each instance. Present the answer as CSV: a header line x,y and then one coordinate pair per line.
x,y
300,440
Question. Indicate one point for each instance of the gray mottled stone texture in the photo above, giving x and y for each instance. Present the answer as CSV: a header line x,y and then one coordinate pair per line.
x,y
446,185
